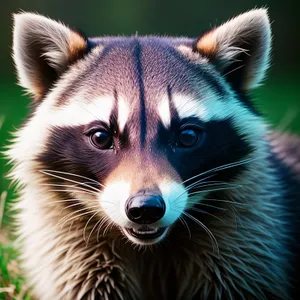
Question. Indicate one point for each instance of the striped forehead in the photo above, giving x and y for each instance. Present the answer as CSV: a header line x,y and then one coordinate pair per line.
x,y
133,78
163,108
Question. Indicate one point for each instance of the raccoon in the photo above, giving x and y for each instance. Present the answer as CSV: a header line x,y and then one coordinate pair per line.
x,y
146,172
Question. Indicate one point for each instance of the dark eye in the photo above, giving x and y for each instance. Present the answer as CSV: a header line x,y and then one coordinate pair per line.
x,y
189,137
102,140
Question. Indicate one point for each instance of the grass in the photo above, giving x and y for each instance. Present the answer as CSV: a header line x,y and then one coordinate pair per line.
x,y
278,99
12,282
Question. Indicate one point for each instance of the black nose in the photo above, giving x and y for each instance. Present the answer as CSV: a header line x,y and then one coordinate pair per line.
x,y
145,209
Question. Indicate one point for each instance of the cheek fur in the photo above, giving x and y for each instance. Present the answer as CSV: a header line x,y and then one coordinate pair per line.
x,y
113,200
175,197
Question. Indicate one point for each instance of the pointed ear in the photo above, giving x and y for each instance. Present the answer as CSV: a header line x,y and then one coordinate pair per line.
x,y
42,51
240,48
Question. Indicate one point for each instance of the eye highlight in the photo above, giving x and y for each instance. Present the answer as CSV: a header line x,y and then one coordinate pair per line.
x,y
101,140
189,137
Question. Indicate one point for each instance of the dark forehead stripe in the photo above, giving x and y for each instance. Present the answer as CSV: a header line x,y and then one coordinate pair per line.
x,y
139,70
113,120
173,111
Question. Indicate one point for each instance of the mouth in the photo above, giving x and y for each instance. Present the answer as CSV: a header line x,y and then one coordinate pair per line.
x,y
146,233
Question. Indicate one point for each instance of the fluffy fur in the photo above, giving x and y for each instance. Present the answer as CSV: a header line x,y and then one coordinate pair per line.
x,y
231,232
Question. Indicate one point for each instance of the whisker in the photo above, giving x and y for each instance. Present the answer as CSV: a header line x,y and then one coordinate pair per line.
x,y
86,225
206,213
110,225
214,190
75,212
223,167
233,208
226,201
71,205
74,190
63,200
87,241
71,225
89,182
204,184
82,200
207,191
69,180
105,219
212,237
229,203
69,186
195,200
200,180
213,181
231,71
48,172
183,221
67,173
78,216
208,205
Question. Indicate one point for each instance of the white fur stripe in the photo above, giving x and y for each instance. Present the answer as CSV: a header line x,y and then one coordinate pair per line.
x,y
123,113
164,111
175,197
187,106
47,117
113,201
213,108
78,112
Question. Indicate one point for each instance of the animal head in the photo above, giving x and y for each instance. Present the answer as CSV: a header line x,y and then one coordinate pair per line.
x,y
136,130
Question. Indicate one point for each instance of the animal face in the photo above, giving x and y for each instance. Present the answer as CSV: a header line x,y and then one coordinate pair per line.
x,y
136,130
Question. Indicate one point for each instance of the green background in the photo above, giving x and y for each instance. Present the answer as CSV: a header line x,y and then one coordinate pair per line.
x,y
278,98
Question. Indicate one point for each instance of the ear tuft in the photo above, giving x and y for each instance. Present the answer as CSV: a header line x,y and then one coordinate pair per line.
x,y
207,45
42,51
240,48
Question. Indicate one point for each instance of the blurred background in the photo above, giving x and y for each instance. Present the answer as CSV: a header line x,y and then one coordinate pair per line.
x,y
278,98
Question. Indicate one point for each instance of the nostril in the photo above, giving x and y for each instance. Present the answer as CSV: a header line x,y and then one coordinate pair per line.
x,y
135,213
145,209
156,212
